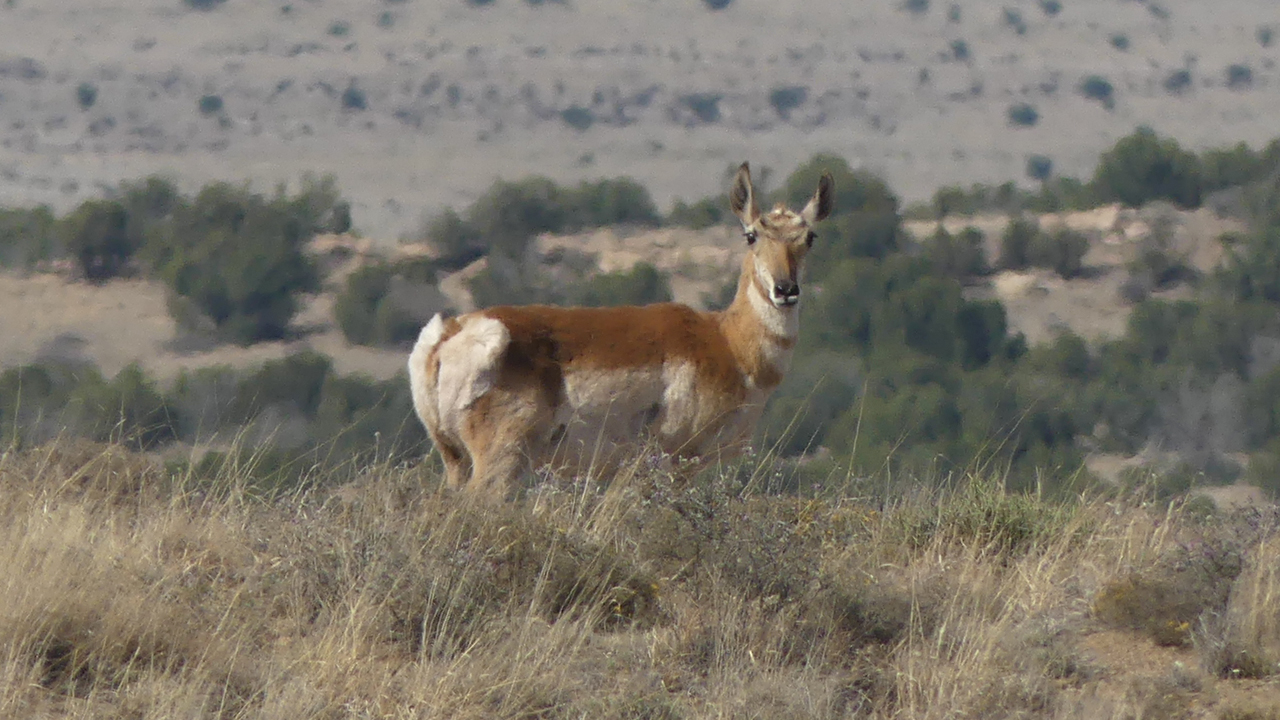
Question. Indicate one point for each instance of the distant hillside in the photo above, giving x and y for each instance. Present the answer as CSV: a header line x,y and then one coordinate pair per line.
x,y
415,105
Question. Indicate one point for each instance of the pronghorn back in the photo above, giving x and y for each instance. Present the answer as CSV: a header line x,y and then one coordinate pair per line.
x,y
508,389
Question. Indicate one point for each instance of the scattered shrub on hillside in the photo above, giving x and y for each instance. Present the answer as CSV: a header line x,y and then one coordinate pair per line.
x,y
95,234
702,214
1016,242
28,237
1142,167
641,285
787,98
704,107
1239,77
353,98
203,4
210,104
1013,19
1051,7
369,314
339,28
1023,115
960,51
236,257
1120,41
1039,167
916,7
1062,251
86,95
1177,82
959,256
717,4
1096,87
1266,35
577,117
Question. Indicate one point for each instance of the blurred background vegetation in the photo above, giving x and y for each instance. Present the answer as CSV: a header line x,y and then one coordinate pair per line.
x,y
898,371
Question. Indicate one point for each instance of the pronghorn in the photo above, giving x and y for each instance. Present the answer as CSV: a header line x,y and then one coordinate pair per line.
x,y
508,389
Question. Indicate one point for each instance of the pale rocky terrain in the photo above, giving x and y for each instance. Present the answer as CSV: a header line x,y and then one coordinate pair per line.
x,y
417,104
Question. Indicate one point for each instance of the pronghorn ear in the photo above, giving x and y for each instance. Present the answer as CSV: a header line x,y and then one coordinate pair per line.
x,y
742,198
820,206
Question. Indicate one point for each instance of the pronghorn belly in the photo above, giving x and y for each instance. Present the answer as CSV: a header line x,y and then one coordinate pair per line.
x,y
607,414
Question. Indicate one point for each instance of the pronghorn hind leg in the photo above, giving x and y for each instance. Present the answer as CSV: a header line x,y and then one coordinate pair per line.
x,y
457,462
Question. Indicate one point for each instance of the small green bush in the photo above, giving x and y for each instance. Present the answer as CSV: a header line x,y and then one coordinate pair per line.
x,y
340,28
1142,167
1039,167
28,237
704,106
717,4
1016,242
353,98
704,213
1013,19
1096,87
787,98
86,95
1266,35
961,256
1062,251
365,313
916,7
1177,82
577,117
96,235
1023,115
203,4
960,50
210,104
1239,77
1120,41
643,284
1051,7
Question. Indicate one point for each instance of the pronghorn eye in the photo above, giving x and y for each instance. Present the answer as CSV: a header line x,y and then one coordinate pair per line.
x,y
750,235
808,239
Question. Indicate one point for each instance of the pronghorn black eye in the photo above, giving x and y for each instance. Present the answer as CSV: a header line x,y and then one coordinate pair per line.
x,y
808,239
750,235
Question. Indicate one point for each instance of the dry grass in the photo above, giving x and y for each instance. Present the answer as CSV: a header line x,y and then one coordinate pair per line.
x,y
133,594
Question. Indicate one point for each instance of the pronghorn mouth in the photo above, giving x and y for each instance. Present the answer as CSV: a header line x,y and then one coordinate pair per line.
x,y
784,301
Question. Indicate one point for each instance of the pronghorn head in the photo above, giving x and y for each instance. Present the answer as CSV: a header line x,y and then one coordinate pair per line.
x,y
780,238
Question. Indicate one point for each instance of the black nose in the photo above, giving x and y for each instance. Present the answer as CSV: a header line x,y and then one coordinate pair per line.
x,y
786,288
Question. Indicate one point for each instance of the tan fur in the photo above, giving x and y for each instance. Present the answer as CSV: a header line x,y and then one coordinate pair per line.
x,y
507,389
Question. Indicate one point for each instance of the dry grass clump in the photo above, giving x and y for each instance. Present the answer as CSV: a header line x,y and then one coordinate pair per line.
x,y
131,592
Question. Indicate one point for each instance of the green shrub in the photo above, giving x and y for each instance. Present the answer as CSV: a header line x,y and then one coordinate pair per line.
x,y
1051,7
203,4
717,4
1039,167
1239,77
641,285
365,313
210,104
1096,87
1023,115
704,213
28,237
237,258
960,50
958,256
1062,251
1177,82
86,95
577,117
787,98
340,28
353,98
1142,167
1265,34
704,106
916,7
95,234
1016,242
1120,41
1013,19
127,409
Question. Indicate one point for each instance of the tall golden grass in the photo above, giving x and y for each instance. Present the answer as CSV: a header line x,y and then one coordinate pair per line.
x,y
129,592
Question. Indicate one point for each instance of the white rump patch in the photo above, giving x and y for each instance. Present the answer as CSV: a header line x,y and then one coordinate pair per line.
x,y
469,363
427,341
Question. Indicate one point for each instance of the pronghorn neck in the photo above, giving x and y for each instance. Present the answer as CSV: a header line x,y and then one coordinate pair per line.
x,y
760,334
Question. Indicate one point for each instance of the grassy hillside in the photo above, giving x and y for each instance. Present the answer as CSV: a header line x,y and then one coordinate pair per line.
x,y
128,592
